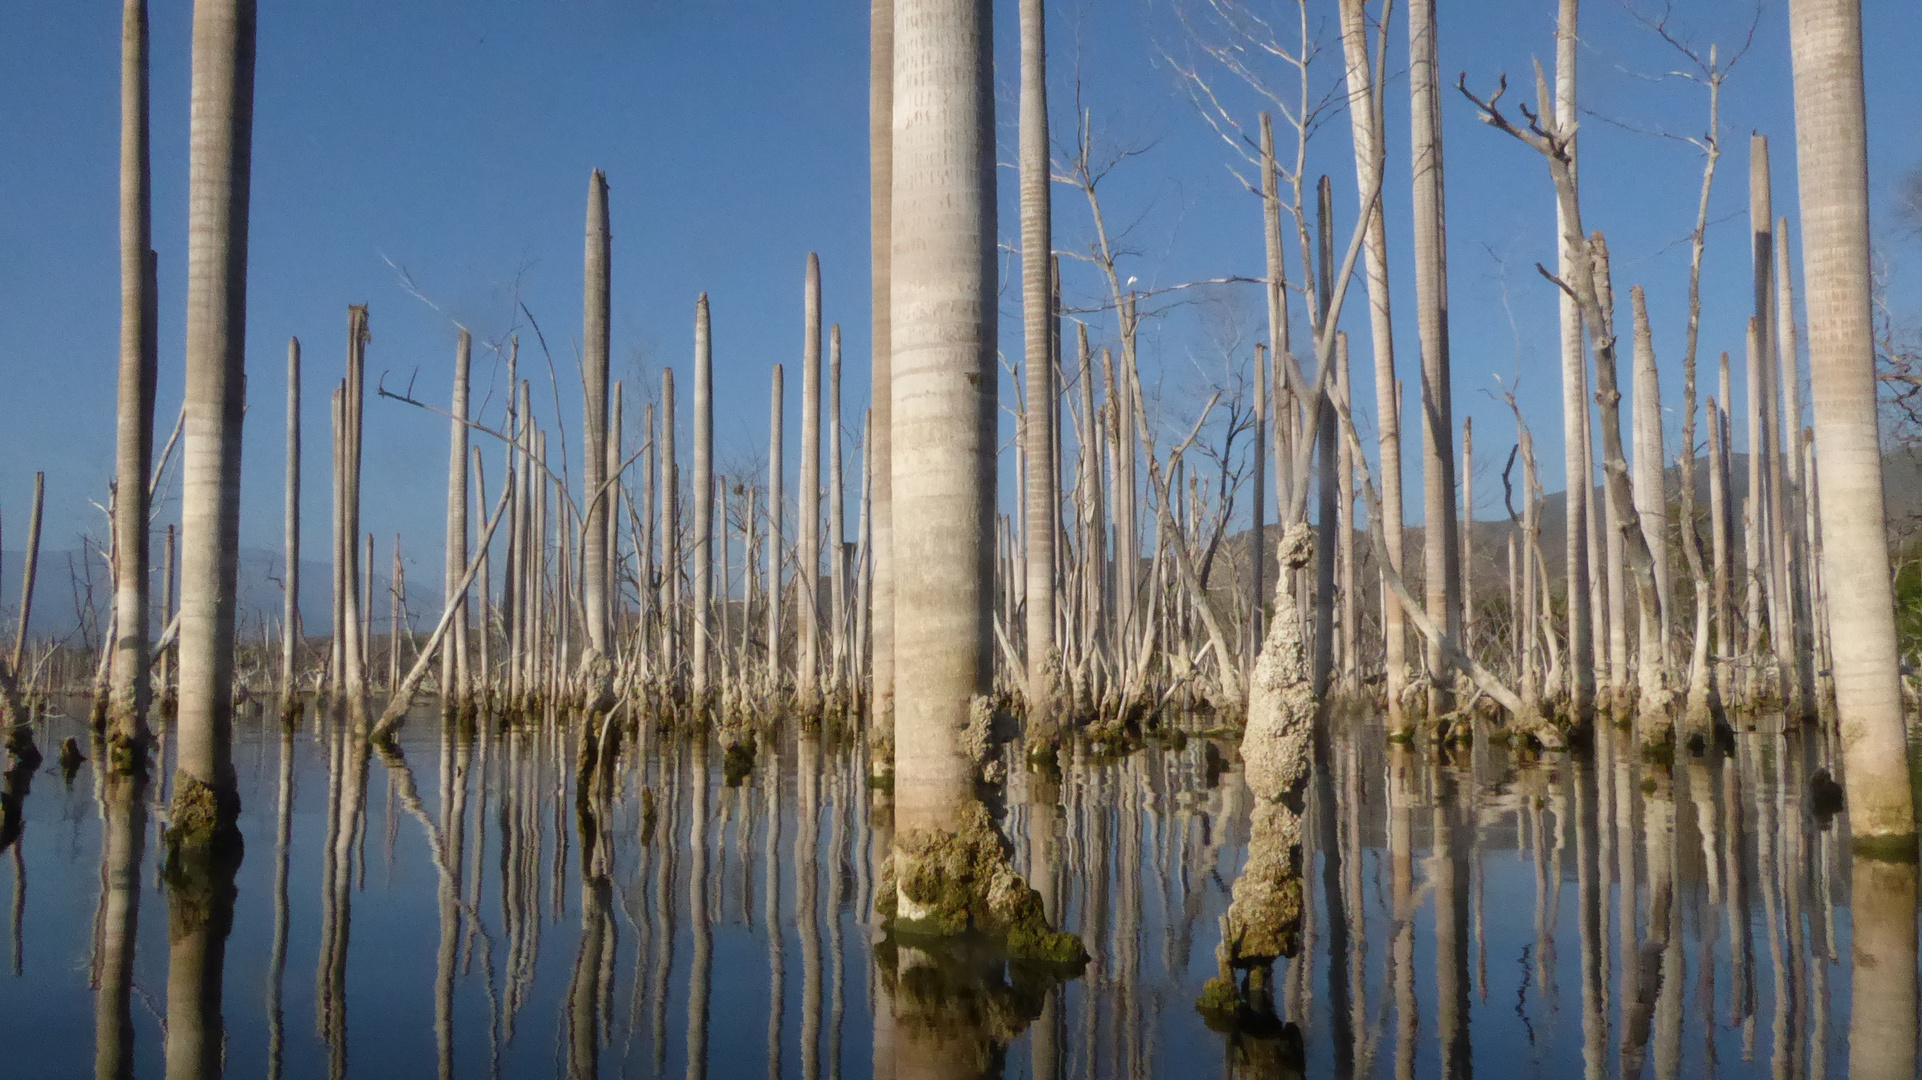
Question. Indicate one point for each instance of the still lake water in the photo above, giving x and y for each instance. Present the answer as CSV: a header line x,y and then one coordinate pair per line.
x,y
1589,914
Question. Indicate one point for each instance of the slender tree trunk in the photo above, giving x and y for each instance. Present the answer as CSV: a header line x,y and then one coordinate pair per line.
x,y
1795,555
291,633
1467,532
837,528
1038,326
1347,585
775,470
1443,572
206,800
668,507
703,501
1832,167
881,428
454,685
1365,105
597,670
1651,501
353,644
1327,434
139,367
808,672
28,573
1578,481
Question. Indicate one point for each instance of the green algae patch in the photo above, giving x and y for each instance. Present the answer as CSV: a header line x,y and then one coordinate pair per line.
x,y
1890,849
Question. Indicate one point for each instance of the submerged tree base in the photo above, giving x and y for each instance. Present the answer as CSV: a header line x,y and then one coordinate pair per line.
x,y
943,884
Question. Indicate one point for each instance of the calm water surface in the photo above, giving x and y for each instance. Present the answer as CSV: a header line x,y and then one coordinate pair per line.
x,y
1467,912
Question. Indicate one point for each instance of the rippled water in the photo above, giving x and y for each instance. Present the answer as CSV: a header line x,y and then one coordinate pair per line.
x,y
1593,914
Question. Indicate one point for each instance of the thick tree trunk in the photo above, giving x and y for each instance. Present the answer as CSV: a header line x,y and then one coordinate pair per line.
x,y
881,426
944,382
206,801
837,529
1832,166
139,367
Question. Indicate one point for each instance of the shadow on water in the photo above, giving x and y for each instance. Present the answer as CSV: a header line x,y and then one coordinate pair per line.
x,y
530,900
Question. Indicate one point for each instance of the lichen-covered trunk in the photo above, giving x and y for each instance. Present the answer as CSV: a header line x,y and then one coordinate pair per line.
x,y
206,800
1831,135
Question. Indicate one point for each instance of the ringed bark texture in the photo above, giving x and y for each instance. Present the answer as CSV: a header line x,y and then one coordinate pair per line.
x,y
1831,134
220,155
942,297
133,429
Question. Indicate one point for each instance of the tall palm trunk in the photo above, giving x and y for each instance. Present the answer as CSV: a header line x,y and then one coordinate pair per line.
x,y
1831,136
1366,123
944,386
775,476
1794,503
131,689
703,499
453,660
945,413
353,643
290,629
1443,570
809,501
206,802
597,668
1037,303
1577,480
837,526
1651,502
881,424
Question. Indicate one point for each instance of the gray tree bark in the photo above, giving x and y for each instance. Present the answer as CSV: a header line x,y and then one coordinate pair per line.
x,y
139,367
1831,138
206,801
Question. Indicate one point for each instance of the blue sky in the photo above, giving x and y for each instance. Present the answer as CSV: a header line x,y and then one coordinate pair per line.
x,y
454,140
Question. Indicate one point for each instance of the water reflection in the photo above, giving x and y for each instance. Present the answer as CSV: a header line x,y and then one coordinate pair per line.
x,y
548,900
